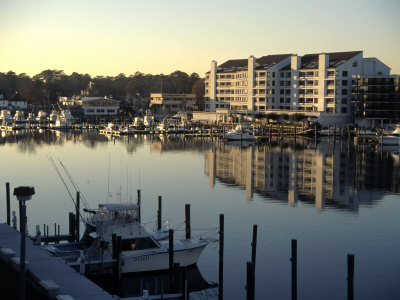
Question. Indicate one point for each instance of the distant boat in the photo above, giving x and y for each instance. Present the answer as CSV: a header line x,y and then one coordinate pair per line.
x,y
240,133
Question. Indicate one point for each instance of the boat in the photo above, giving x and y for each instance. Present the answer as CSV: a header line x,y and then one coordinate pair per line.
x,y
329,131
19,117
5,117
240,133
141,251
41,116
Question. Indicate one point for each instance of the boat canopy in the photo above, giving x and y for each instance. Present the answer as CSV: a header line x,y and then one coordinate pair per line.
x,y
119,206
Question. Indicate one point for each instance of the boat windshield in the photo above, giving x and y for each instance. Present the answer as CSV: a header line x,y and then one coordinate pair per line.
x,y
139,243
125,213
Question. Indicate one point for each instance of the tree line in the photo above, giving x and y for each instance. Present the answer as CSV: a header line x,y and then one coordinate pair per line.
x,y
45,87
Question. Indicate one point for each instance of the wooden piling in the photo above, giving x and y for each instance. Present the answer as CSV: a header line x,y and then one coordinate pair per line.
x,y
249,281
77,215
8,203
254,247
138,204
184,284
171,257
221,258
294,269
71,224
159,213
114,245
187,221
350,276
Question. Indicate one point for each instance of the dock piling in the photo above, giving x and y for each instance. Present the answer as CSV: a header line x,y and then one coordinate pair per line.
x,y
249,281
159,212
221,258
350,276
77,215
254,248
294,269
8,203
187,221
171,255
138,204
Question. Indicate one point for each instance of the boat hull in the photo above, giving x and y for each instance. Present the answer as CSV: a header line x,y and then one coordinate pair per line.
x,y
156,261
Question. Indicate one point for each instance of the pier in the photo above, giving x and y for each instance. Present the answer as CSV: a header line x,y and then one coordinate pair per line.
x,y
46,277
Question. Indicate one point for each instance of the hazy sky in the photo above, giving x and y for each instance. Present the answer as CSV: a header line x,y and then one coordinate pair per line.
x,y
104,37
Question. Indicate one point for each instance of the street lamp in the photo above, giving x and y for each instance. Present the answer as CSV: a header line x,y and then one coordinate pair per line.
x,y
23,193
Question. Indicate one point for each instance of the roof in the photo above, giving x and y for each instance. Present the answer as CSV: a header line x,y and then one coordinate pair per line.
x,y
310,61
264,61
17,98
119,206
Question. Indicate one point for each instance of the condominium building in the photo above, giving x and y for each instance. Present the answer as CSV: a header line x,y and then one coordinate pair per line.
x,y
377,100
314,84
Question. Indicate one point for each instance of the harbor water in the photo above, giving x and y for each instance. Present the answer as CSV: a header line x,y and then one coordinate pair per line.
x,y
332,197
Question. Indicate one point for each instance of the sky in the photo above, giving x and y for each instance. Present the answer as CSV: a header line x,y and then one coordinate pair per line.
x,y
109,37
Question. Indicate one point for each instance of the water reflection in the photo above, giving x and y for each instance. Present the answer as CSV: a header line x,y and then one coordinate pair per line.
x,y
331,173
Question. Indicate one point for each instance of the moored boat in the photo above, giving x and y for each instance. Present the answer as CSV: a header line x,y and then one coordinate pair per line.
x,y
140,250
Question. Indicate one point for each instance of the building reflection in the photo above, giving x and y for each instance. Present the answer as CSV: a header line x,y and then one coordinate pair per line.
x,y
330,174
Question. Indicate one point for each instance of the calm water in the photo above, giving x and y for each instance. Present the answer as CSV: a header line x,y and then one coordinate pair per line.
x,y
334,199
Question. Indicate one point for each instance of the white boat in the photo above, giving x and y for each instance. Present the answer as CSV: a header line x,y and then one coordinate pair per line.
x,y
41,116
53,116
19,117
141,251
5,117
330,131
240,133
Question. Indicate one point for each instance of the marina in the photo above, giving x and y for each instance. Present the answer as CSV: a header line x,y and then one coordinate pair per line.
x,y
272,184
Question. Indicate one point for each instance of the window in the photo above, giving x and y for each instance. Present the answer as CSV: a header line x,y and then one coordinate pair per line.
x,y
344,73
354,64
344,100
273,74
281,100
379,73
344,110
315,100
287,92
344,92
282,91
344,82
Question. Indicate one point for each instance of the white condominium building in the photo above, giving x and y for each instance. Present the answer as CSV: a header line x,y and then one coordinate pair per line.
x,y
314,84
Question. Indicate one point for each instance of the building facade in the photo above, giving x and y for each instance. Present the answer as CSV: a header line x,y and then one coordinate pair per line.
x,y
317,85
377,100
162,104
96,106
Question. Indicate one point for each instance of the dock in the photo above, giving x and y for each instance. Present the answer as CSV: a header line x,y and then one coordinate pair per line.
x,y
47,276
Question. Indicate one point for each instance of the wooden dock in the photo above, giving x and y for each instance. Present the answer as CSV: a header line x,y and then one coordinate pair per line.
x,y
46,275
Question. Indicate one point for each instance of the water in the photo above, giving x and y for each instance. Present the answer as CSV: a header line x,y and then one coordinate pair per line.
x,y
333,198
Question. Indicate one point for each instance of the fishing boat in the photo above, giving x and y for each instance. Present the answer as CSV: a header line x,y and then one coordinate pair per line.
x,y
240,133
140,250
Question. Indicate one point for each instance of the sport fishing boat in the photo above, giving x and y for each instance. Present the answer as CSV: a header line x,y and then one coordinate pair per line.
x,y
140,250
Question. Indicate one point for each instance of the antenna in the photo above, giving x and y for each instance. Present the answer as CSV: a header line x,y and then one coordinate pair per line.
x,y
108,179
